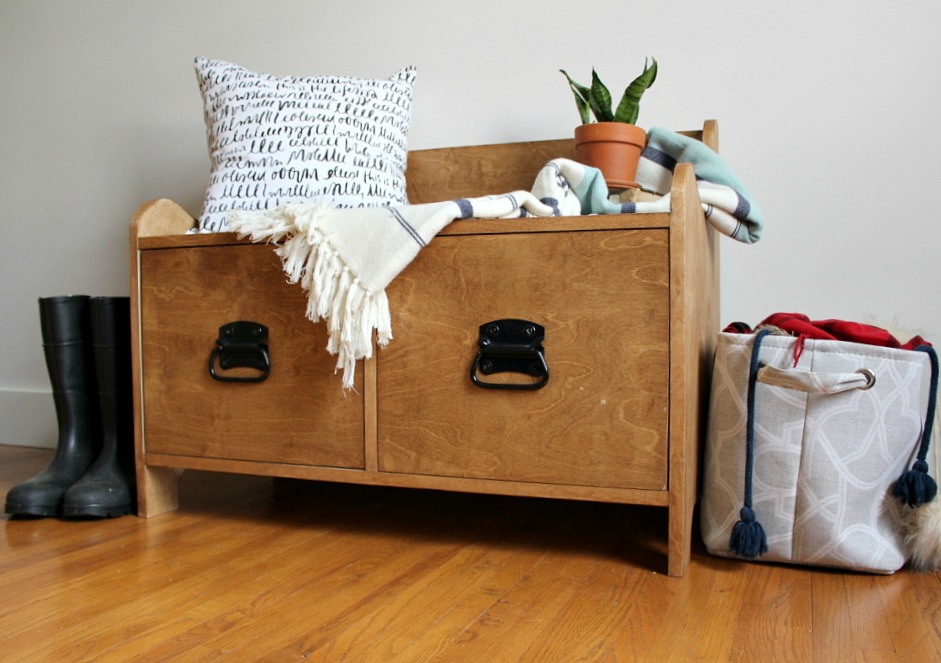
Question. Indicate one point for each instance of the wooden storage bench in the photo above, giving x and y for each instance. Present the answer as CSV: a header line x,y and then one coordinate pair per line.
x,y
629,307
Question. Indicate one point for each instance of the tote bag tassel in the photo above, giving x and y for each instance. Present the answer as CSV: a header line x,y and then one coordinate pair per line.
x,y
916,487
748,538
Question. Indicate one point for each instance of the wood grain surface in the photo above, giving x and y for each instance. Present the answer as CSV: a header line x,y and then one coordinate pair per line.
x,y
253,569
297,415
601,420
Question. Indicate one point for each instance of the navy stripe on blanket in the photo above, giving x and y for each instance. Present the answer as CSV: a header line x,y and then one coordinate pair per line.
x,y
407,227
553,203
466,207
660,158
743,209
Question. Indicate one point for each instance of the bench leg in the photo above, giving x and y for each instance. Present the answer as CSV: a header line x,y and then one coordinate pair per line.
x,y
157,490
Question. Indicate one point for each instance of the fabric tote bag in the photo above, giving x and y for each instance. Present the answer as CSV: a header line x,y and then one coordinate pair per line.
x,y
813,461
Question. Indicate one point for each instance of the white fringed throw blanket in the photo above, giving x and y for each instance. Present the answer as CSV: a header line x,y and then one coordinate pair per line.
x,y
345,258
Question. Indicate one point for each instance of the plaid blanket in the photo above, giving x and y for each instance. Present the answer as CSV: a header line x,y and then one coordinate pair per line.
x,y
727,204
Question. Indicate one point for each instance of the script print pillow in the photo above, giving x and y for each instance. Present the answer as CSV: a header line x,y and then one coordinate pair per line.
x,y
280,140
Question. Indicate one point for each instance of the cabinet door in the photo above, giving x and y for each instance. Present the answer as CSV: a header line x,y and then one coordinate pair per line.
x,y
601,420
297,415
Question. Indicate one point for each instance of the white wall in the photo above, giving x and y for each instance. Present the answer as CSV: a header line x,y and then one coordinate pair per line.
x,y
827,111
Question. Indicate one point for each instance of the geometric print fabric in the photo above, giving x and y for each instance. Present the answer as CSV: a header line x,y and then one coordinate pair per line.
x,y
824,464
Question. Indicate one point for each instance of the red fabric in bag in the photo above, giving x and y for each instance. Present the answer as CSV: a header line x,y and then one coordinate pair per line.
x,y
802,327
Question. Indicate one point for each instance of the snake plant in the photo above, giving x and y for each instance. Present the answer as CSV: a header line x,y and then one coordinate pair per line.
x,y
597,99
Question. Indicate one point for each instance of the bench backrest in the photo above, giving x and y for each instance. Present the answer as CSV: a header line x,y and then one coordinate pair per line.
x,y
464,172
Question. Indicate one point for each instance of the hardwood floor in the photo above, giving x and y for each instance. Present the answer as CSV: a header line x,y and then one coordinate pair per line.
x,y
249,569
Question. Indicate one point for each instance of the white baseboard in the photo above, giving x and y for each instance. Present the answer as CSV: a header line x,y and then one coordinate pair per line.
x,y
28,419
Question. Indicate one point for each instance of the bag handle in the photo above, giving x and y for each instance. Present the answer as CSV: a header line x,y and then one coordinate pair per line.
x,y
814,382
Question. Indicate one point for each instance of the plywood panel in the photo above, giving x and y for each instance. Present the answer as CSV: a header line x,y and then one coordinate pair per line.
x,y
603,298
298,415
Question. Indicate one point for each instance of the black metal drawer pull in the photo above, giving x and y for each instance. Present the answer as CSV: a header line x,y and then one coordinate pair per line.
x,y
241,344
510,346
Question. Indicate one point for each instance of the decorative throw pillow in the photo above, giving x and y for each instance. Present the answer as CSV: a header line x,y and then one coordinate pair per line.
x,y
279,140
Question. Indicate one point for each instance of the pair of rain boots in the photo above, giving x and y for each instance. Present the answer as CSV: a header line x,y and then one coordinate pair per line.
x,y
86,341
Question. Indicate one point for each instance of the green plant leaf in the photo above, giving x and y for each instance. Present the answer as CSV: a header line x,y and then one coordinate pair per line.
x,y
582,94
629,107
600,99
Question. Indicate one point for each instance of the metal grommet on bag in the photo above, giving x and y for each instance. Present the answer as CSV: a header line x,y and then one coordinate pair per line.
x,y
870,378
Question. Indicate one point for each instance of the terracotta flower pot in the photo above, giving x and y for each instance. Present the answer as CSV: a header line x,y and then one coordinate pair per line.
x,y
612,147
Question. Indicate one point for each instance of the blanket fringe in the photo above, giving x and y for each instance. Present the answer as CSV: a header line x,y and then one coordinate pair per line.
x,y
270,227
334,294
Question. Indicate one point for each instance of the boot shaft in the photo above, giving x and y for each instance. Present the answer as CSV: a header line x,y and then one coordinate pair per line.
x,y
111,340
65,323
110,321
65,320
86,342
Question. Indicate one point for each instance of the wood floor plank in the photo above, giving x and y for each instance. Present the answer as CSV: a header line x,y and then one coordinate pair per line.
x,y
598,610
115,606
849,604
375,567
298,556
876,617
776,615
701,614
513,624
446,593
251,569
912,610
330,605
124,556
142,617
244,617
504,568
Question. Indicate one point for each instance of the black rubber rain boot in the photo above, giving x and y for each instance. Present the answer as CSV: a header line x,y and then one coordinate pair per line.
x,y
107,489
66,336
